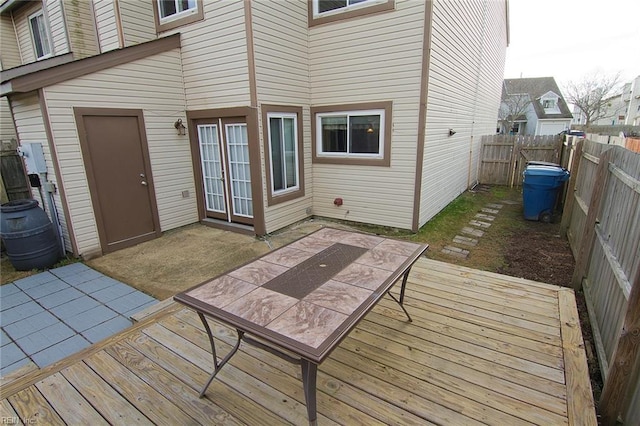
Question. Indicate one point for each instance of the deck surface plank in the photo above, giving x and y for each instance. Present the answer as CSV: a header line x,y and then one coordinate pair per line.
x,y
482,348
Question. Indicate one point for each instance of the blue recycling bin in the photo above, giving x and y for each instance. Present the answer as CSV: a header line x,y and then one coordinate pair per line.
x,y
540,190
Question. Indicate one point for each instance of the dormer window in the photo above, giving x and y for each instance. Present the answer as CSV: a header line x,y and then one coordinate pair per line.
x,y
40,35
549,104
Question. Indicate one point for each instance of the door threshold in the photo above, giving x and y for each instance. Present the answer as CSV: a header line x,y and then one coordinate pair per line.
x,y
229,226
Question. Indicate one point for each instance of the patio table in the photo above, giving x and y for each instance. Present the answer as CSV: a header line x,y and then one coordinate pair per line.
x,y
301,300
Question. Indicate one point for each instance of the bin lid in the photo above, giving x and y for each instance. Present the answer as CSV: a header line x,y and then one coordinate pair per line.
x,y
542,163
537,170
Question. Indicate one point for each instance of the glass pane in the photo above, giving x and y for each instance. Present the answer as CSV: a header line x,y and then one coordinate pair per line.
x,y
211,168
167,8
365,134
290,153
238,149
334,134
277,164
327,5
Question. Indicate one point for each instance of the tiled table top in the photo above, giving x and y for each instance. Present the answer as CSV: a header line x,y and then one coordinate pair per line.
x,y
305,296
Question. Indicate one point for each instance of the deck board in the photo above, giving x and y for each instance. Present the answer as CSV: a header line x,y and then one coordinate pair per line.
x,y
482,349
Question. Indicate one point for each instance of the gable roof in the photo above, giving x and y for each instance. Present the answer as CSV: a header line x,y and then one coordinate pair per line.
x,y
536,88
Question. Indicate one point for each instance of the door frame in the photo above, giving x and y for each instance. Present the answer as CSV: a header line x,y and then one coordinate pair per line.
x,y
80,113
251,119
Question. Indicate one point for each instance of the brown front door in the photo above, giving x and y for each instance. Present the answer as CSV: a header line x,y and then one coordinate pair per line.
x,y
119,174
226,174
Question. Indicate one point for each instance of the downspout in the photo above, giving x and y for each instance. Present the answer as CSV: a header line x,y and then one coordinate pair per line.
x,y
15,31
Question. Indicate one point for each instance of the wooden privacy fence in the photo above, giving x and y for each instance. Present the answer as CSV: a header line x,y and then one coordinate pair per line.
x,y
602,222
503,158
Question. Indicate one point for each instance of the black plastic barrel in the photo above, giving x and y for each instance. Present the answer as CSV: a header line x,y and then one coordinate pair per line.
x,y
28,235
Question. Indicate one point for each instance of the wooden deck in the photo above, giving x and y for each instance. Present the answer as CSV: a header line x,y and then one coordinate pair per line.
x,y
483,349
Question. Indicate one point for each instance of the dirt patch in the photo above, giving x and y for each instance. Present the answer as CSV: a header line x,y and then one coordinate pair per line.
x,y
538,252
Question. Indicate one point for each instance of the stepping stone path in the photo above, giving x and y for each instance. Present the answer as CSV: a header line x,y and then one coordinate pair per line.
x,y
476,229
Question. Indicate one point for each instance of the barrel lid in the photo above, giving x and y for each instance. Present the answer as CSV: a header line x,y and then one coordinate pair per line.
x,y
19,205
540,170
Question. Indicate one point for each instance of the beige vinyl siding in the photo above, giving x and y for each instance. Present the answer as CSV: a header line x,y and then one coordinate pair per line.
x,y
81,29
57,27
7,131
465,71
21,21
152,84
372,58
10,51
137,21
30,126
106,24
282,78
214,57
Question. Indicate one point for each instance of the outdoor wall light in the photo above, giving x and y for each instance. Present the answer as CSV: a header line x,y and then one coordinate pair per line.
x,y
180,127
451,132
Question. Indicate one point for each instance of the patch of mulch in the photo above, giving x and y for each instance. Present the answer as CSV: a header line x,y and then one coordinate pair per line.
x,y
538,252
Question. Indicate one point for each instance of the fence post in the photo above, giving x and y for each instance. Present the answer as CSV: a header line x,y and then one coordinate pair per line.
x,y
624,356
570,196
582,262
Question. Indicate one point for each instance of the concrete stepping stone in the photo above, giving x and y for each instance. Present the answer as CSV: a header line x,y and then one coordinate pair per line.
x,y
485,217
479,224
472,231
465,241
490,211
510,202
455,251
495,206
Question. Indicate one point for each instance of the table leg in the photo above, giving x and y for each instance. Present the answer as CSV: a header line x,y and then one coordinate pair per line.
x,y
309,375
217,365
401,300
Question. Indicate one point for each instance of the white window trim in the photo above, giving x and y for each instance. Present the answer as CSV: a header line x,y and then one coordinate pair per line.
x,y
296,161
350,113
177,15
33,37
360,5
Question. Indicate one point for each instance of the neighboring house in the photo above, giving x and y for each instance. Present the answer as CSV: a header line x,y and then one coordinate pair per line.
x,y
545,113
578,116
251,115
624,109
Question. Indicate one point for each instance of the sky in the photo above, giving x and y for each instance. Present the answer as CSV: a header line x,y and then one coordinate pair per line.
x,y
571,39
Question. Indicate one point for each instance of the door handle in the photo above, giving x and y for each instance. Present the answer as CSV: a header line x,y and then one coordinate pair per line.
x,y
143,183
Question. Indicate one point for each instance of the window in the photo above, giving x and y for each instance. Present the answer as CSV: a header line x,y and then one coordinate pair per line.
x,y
170,14
173,8
283,152
282,133
323,11
40,35
353,134
549,103
329,5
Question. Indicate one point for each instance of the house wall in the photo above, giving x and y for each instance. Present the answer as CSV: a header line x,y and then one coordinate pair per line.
x,y
468,47
282,78
214,57
81,28
106,24
10,52
21,22
137,21
372,58
57,27
154,85
31,128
